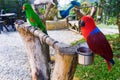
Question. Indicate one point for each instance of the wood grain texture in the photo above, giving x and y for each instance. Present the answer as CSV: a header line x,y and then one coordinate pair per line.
x,y
65,60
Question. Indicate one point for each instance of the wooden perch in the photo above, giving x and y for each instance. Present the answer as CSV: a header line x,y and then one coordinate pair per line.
x,y
65,63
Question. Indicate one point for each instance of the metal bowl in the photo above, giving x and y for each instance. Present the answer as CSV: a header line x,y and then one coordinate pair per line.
x,y
85,56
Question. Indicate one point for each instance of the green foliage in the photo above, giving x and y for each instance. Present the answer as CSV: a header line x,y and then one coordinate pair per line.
x,y
98,70
112,20
111,7
78,42
107,26
115,43
42,10
116,48
72,12
110,10
112,37
11,5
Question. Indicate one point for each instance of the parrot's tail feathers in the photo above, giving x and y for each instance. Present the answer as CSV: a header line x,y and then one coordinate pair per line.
x,y
109,64
112,62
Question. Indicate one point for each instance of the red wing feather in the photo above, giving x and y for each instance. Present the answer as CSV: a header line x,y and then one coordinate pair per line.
x,y
99,45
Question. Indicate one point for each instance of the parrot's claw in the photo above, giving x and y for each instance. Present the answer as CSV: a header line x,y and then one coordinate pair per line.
x,y
36,28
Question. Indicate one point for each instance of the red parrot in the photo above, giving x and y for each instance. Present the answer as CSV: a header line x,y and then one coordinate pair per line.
x,y
96,40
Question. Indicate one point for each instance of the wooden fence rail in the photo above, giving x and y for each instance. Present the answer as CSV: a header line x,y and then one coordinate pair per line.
x,y
37,46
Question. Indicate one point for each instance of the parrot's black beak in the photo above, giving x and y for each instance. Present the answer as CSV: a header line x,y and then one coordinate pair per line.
x,y
82,23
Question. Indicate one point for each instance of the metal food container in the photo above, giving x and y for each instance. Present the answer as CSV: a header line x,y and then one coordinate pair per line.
x,y
85,55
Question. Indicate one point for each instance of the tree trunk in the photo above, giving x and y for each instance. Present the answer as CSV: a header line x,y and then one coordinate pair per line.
x,y
99,13
93,11
118,23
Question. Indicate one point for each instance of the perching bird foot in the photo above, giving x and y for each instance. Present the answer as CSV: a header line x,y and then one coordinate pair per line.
x,y
27,28
36,28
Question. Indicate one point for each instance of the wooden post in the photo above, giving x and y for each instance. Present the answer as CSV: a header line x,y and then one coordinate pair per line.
x,y
66,60
38,61
65,66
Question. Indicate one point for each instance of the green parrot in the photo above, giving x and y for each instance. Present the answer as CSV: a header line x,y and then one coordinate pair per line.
x,y
33,18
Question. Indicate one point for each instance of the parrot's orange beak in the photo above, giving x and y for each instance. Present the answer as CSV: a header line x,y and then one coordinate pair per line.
x,y
23,8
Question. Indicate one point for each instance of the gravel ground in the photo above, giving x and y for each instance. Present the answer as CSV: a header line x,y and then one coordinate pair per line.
x,y
13,57
65,35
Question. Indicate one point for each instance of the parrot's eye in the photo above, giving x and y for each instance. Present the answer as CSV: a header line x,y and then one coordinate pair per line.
x,y
82,23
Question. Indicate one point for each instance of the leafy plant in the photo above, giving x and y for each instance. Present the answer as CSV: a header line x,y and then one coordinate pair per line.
x,y
42,10
98,70
112,20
